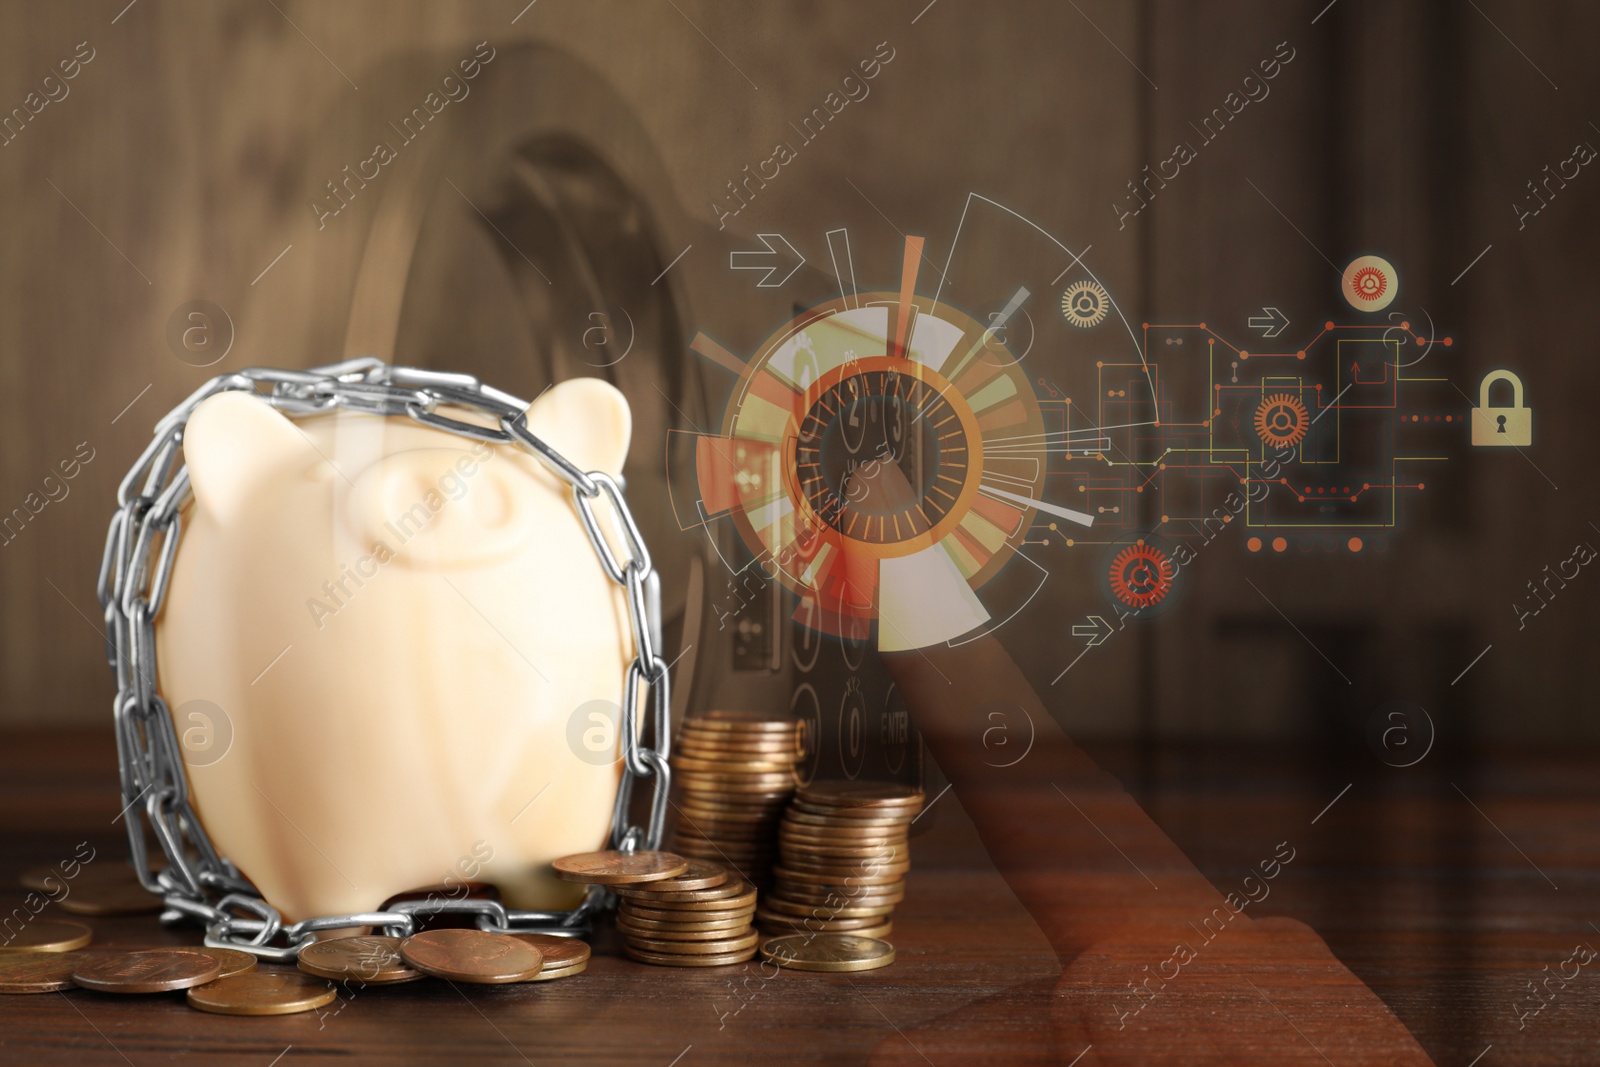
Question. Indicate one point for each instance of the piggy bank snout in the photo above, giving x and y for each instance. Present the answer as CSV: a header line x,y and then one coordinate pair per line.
x,y
444,508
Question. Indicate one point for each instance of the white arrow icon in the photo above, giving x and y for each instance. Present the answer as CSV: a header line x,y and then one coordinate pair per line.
x,y
767,261
1270,322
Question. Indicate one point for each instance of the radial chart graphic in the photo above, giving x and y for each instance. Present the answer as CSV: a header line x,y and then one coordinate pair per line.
x,y
861,460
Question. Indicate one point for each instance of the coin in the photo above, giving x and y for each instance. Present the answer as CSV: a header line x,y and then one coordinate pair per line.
x,y
158,970
849,880
696,916
37,972
837,897
620,868
848,794
828,952
231,960
695,948
818,924
263,993
744,721
472,956
778,904
563,956
683,902
369,960
672,959
701,874
48,935
644,924
727,765
733,887
94,890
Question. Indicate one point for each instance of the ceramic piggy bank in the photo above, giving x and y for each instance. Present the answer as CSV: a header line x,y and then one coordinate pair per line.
x,y
374,640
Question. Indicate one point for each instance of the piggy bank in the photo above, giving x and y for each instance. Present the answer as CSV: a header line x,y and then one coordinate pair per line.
x,y
374,641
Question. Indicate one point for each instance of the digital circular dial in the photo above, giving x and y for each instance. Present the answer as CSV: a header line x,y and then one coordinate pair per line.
x,y
886,455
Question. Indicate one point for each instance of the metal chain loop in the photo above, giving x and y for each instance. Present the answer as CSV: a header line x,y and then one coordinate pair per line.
x,y
197,883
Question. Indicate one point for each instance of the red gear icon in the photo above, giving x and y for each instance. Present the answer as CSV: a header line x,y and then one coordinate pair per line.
x,y
1141,575
1282,421
1369,283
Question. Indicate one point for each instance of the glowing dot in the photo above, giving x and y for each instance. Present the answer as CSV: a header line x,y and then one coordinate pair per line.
x,y
1405,326
1082,489
1421,486
1052,526
1202,325
1327,325
1165,519
1420,338
1243,354
1354,544
1227,518
1144,325
1254,544
1446,342
1365,486
1099,363
1139,489
1069,542
1449,418
1300,354
1278,543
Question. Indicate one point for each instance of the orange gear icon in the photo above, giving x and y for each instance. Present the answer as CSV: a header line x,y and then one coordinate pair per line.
x,y
1282,420
1369,283
1141,575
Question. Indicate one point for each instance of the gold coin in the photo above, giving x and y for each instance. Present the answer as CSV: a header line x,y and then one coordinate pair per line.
x,y
836,898
828,952
263,993
697,948
843,838
37,972
781,906
670,959
472,956
157,970
369,960
231,960
701,745
560,953
733,887
620,868
773,786
48,935
731,766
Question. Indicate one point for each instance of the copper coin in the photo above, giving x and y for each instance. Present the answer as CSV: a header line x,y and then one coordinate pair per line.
x,y
733,887
848,794
701,874
717,802
767,919
670,959
369,960
776,748
784,907
828,952
842,881
697,948
48,935
561,954
730,719
620,868
112,889
564,972
690,922
841,839
472,956
731,766
770,783
633,932
231,960
684,902
37,972
263,993
837,897
157,970
689,917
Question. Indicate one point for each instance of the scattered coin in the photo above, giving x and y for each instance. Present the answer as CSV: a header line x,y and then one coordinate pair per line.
x,y
158,970
231,959
99,889
620,868
472,956
734,893
828,952
368,960
37,972
48,935
563,956
263,992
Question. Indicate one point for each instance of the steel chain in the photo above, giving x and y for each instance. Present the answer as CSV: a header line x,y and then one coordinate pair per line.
x,y
198,883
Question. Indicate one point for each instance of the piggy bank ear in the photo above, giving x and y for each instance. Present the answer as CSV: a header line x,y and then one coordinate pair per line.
x,y
232,443
586,420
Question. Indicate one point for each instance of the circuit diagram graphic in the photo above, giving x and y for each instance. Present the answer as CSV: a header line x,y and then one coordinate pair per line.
x,y
908,461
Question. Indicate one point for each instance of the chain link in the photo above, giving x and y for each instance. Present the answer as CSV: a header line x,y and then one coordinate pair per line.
x,y
197,883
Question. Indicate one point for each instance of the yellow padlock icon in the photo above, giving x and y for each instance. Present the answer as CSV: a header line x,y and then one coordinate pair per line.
x,y
1510,427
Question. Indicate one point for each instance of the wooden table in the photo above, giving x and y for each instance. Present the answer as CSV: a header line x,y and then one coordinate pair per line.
x,y
1408,881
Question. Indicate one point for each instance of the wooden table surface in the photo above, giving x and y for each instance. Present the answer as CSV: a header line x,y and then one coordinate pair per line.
x,y
1444,905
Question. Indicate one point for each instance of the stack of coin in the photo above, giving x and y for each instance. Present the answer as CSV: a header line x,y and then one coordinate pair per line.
x,y
701,918
736,773
843,858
